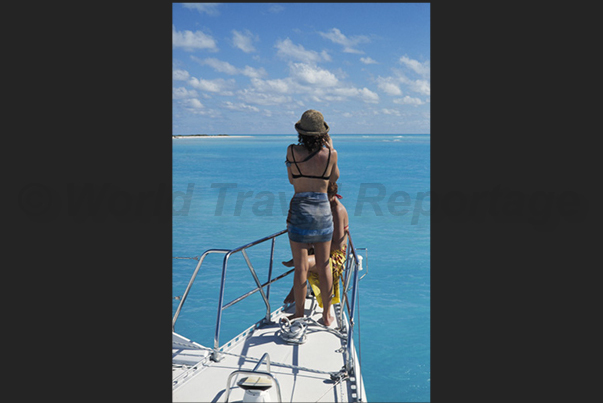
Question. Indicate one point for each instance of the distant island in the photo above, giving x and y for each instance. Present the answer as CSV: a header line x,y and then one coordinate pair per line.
x,y
177,136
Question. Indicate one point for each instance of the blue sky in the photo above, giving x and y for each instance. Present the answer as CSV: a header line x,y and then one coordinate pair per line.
x,y
254,68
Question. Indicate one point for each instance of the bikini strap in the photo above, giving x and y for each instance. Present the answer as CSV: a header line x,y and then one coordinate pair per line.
x,y
295,162
328,160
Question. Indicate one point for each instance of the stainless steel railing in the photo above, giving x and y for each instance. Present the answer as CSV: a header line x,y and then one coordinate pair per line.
x,y
260,287
351,269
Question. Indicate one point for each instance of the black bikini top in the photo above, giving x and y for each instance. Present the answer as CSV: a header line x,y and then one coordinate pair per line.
x,y
306,159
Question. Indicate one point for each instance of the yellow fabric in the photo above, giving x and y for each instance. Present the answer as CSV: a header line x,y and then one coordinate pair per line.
x,y
337,261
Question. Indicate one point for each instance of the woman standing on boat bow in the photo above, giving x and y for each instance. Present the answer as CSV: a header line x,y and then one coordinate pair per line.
x,y
311,165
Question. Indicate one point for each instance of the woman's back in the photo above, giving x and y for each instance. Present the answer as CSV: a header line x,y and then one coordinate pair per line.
x,y
311,171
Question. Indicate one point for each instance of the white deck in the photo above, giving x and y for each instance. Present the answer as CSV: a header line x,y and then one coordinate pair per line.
x,y
203,380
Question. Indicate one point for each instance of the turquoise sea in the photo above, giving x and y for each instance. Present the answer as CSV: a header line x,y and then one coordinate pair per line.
x,y
230,191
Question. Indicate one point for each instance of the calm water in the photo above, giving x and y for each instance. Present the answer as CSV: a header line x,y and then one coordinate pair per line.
x,y
231,191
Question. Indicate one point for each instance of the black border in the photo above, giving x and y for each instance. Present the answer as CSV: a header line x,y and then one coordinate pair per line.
x,y
90,102
509,298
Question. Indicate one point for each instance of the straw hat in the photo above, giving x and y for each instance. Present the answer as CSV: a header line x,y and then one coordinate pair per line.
x,y
312,123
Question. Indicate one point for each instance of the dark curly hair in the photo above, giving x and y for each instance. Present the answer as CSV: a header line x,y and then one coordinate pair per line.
x,y
313,143
332,189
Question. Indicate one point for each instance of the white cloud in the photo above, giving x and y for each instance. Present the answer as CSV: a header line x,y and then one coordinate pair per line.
x,y
306,83
279,85
408,101
210,113
364,94
253,73
348,44
227,68
193,103
391,112
346,92
252,96
243,41
218,85
207,8
325,56
389,85
218,65
288,50
421,86
191,41
240,107
367,60
420,68
390,88
369,96
312,75
181,93
181,75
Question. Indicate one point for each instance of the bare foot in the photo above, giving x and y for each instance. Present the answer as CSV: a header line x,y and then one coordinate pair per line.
x,y
327,320
290,298
288,264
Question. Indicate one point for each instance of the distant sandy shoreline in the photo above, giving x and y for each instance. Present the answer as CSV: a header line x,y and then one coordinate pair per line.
x,y
202,136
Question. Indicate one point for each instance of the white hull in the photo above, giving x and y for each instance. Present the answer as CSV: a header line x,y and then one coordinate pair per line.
x,y
206,380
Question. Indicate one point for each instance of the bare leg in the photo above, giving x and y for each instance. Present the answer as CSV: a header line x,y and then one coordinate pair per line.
x,y
311,267
312,263
300,261
325,277
290,297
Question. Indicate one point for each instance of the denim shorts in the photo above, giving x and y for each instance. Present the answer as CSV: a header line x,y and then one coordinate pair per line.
x,y
310,219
